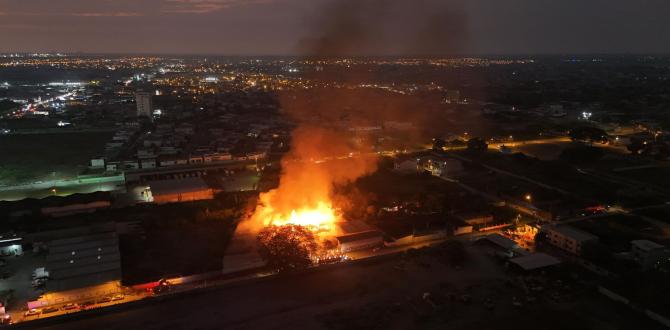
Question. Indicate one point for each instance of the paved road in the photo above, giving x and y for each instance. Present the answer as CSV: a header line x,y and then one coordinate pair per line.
x,y
664,227
215,284
350,297
287,302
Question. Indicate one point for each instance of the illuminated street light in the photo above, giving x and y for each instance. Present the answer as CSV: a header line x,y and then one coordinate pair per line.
x,y
529,197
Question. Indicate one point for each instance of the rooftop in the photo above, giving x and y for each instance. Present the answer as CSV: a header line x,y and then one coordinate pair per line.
x,y
573,233
646,245
535,261
353,226
359,236
83,260
168,187
501,241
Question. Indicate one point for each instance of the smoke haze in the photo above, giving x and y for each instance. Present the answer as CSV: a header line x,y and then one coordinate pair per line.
x,y
327,149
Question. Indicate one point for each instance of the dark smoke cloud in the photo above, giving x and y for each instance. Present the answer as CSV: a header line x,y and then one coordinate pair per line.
x,y
327,150
383,27
374,27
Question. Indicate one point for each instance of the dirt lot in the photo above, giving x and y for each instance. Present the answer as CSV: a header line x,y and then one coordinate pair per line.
x,y
543,151
401,293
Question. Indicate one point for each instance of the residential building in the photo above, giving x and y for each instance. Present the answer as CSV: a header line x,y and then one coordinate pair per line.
x,y
183,190
448,167
360,241
10,244
144,104
453,96
568,238
148,163
97,163
82,261
647,253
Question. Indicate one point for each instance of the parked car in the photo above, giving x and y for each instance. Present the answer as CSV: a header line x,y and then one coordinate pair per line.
x,y
87,304
104,300
162,287
6,320
70,306
49,310
32,312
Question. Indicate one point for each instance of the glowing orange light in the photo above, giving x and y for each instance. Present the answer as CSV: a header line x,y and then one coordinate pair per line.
x,y
320,218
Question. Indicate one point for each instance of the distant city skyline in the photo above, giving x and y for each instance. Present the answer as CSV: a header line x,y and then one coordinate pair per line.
x,y
335,27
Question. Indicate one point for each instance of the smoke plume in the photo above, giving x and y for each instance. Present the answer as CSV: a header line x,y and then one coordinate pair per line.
x,y
327,150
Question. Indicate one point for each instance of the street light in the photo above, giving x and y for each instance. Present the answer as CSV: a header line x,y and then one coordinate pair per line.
x,y
529,197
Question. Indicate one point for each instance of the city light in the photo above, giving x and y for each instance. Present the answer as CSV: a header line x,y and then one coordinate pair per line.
x,y
165,167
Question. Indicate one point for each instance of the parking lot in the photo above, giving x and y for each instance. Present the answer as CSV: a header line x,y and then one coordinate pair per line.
x,y
73,307
17,276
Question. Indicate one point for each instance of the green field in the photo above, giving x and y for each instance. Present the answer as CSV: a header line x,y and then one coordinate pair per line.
x,y
42,157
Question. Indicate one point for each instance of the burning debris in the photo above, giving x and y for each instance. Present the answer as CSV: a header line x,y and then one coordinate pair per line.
x,y
306,192
318,219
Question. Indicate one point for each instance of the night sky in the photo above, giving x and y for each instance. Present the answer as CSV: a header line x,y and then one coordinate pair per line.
x,y
299,27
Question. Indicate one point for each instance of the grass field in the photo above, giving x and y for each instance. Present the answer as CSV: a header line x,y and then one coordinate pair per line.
x,y
42,157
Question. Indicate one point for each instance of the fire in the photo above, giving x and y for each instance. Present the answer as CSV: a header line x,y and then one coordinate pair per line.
x,y
306,193
320,218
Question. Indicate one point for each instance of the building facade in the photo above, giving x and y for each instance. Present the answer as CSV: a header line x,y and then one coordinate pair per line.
x,y
360,241
144,104
568,238
648,254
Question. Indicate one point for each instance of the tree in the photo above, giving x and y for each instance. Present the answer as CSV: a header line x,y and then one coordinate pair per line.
x,y
588,134
7,105
658,149
287,247
477,144
636,146
438,144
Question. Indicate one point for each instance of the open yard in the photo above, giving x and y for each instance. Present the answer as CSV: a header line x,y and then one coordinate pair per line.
x,y
43,157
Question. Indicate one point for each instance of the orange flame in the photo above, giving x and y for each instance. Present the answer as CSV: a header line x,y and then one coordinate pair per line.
x,y
305,195
320,218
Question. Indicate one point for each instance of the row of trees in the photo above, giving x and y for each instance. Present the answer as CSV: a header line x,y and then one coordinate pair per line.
x,y
657,149
474,144
588,134
638,146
